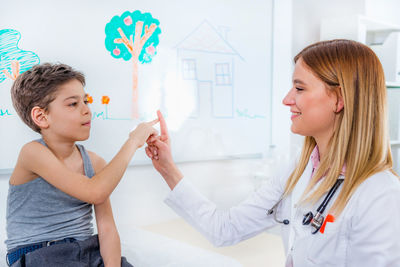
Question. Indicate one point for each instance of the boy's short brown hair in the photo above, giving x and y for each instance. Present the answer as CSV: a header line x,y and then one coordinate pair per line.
x,y
38,86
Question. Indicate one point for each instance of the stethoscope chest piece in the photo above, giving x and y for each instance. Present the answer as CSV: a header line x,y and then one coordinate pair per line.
x,y
316,221
308,218
273,210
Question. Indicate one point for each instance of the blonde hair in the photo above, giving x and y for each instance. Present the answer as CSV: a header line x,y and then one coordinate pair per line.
x,y
360,138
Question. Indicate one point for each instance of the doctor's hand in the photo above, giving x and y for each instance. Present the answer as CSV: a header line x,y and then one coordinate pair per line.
x,y
159,151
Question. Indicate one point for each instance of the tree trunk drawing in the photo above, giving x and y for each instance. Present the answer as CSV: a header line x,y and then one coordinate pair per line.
x,y
135,45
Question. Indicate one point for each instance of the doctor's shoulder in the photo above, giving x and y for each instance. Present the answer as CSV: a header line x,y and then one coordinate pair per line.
x,y
373,215
379,184
376,199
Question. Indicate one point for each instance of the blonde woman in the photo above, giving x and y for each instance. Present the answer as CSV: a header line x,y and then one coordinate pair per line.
x,y
339,203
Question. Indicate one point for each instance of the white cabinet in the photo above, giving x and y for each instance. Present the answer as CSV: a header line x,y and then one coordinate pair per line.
x,y
389,55
358,28
382,37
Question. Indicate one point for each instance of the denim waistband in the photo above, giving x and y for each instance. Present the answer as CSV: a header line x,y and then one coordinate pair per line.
x,y
16,253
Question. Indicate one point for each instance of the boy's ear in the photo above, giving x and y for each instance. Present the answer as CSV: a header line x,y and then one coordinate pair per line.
x,y
39,117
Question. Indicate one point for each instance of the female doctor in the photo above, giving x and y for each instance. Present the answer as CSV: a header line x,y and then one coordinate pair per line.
x,y
339,203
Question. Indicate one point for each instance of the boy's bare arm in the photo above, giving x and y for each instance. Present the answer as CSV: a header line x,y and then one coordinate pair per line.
x,y
38,159
110,245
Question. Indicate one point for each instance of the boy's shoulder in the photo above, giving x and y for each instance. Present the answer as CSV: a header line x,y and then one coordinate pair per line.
x,y
22,173
31,148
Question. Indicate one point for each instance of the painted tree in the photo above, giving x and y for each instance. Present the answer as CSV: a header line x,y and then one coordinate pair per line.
x,y
133,36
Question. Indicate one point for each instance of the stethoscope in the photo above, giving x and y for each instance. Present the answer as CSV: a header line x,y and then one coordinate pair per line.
x,y
317,220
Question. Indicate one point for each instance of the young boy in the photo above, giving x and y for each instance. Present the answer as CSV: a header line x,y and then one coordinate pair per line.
x,y
55,181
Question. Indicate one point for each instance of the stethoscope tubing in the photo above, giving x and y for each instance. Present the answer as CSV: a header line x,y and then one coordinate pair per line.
x,y
330,194
320,209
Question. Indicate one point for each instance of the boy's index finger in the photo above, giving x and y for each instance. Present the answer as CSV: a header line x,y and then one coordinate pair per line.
x,y
153,122
163,125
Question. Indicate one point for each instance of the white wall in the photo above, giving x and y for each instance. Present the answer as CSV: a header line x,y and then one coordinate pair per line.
x,y
307,16
138,199
383,10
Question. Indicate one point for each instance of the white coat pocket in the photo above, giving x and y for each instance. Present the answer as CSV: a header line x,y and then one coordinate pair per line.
x,y
329,248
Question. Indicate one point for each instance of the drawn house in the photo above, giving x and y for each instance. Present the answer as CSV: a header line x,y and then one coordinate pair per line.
x,y
206,65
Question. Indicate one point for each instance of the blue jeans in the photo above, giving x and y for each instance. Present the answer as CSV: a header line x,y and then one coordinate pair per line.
x,y
84,253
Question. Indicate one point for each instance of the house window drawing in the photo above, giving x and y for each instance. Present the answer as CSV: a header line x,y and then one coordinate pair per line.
x,y
206,63
223,74
189,69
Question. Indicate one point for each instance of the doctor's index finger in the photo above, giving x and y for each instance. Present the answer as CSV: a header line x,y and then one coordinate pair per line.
x,y
163,124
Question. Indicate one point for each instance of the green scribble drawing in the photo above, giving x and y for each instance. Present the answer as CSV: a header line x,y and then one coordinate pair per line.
x,y
13,60
245,114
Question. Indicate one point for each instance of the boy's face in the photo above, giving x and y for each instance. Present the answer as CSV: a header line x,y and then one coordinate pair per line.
x,y
68,115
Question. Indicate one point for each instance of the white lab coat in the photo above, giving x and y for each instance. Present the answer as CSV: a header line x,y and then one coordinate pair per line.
x,y
366,234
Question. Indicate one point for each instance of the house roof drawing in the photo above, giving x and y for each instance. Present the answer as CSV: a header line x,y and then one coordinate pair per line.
x,y
205,38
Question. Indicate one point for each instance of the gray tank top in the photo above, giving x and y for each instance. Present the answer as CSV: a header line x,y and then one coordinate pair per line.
x,y
37,211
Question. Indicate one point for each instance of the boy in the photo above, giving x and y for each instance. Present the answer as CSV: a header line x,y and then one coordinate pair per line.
x,y
55,181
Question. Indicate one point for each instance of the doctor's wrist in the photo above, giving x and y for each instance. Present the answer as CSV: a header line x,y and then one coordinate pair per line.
x,y
172,176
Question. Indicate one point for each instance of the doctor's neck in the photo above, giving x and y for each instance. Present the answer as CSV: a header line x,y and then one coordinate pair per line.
x,y
322,144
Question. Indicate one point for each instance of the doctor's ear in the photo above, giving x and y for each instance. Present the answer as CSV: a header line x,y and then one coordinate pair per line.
x,y
339,100
339,104
39,117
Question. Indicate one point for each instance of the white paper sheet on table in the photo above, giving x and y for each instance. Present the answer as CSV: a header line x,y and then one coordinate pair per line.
x,y
147,249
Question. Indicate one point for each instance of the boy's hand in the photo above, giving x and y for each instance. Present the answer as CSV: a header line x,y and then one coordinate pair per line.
x,y
143,131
